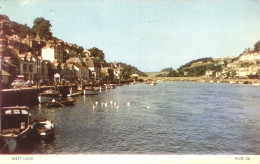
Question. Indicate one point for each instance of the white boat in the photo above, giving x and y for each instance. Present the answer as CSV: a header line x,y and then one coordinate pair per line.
x,y
233,82
48,95
71,94
44,128
153,83
256,84
90,91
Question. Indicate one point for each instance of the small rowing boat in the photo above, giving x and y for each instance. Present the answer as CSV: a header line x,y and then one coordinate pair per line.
x,y
56,103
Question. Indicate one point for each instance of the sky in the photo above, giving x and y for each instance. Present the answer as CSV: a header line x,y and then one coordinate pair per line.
x,y
148,34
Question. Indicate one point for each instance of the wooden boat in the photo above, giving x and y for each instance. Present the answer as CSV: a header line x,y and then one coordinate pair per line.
x,y
56,103
48,95
15,125
43,128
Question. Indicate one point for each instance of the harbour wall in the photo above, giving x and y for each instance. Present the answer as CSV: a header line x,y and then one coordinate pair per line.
x,y
28,96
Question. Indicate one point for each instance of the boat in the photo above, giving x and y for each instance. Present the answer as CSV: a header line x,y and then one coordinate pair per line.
x,y
153,83
256,84
43,128
107,86
59,103
102,88
89,90
113,86
48,95
71,94
15,126
233,82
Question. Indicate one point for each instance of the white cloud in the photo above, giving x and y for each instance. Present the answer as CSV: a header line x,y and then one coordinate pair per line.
x,y
27,2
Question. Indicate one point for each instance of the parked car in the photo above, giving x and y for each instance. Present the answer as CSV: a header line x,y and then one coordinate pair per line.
x,y
20,83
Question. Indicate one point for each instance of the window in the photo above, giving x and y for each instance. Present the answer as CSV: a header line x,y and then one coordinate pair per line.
x,y
24,112
31,68
16,111
25,68
8,111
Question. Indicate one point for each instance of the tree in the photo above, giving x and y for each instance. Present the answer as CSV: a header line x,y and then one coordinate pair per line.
x,y
173,73
22,30
98,54
166,70
257,46
42,27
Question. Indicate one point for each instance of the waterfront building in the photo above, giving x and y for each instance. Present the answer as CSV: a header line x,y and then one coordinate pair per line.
x,y
82,72
71,72
209,73
51,70
52,52
249,57
27,65
118,71
67,71
44,69
243,72
95,68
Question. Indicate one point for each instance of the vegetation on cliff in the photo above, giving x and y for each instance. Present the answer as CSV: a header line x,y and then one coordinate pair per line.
x,y
129,70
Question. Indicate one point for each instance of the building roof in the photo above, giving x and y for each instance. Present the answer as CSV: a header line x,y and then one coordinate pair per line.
x,y
81,67
74,60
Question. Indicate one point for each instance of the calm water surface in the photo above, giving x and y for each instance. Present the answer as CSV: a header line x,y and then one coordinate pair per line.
x,y
170,118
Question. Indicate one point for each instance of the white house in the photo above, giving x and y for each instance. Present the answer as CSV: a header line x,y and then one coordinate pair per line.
x,y
52,53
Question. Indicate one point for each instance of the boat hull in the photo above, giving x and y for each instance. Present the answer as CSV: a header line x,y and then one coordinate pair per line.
x,y
72,94
47,98
61,103
88,92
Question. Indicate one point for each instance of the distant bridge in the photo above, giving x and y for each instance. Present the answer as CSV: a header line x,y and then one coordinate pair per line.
x,y
199,79
172,78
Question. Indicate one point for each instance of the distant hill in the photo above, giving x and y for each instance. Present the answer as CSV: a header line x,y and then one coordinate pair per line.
x,y
166,70
198,62
129,70
154,74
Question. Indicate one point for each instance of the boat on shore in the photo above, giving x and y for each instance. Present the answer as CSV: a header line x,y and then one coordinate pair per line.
x,y
48,95
15,126
59,103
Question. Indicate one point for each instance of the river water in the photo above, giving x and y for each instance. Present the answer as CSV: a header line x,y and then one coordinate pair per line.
x,y
169,118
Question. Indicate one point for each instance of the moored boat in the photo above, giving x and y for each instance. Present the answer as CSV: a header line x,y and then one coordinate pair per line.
x,y
153,83
72,94
48,95
59,103
15,125
43,128
256,84
90,90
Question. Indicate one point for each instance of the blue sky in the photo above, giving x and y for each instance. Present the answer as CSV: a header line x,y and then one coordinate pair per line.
x,y
148,34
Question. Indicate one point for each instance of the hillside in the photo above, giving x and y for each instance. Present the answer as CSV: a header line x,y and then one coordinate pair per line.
x,y
129,70
154,74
